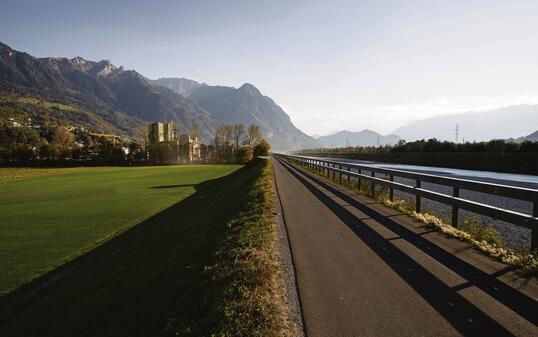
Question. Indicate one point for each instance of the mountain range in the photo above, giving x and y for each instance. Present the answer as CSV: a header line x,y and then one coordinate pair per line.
x,y
501,123
533,137
362,138
106,98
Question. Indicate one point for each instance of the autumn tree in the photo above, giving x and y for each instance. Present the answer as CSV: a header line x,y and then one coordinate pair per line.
x,y
262,148
63,140
222,142
238,132
254,135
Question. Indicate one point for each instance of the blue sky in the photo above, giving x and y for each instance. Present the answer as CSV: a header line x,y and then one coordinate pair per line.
x,y
330,64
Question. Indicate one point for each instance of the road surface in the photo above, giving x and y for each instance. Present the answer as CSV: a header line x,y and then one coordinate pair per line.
x,y
365,270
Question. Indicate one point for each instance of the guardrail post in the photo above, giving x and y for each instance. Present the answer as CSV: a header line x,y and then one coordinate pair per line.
x,y
373,185
417,198
455,210
348,176
534,232
340,174
359,171
391,190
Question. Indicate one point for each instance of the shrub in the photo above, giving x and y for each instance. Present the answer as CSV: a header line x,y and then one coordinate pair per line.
x,y
262,149
244,155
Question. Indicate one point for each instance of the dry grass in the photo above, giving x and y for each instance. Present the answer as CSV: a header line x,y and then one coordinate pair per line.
x,y
18,173
247,266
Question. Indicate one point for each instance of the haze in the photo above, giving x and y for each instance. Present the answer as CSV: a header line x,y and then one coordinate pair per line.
x,y
330,65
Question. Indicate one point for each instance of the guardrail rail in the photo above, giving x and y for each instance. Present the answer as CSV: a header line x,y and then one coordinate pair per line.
x,y
344,169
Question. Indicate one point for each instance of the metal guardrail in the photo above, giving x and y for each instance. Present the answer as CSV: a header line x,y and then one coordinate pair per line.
x,y
454,200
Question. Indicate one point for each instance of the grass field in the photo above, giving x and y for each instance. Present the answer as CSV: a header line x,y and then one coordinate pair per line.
x,y
50,216
204,266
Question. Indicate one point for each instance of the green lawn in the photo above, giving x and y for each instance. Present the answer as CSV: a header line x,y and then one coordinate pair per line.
x,y
48,220
202,267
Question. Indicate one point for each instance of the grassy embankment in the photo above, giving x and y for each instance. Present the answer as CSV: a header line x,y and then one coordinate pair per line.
x,y
480,236
202,265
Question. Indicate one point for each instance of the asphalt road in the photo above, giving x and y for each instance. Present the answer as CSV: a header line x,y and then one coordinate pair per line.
x,y
365,270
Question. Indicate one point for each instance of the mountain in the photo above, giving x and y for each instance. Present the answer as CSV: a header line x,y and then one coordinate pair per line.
x,y
106,98
362,138
533,137
248,106
97,95
30,87
182,86
132,93
499,123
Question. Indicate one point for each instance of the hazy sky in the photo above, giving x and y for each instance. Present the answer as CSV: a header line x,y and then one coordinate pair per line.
x,y
330,64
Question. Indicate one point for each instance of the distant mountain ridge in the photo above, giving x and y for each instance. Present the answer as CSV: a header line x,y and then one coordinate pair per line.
x,y
107,98
533,137
361,138
501,123
247,105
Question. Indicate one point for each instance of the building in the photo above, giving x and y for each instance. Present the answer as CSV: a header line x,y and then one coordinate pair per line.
x,y
162,132
186,149
189,149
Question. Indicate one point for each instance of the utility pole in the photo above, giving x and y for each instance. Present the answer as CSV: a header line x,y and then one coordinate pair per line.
x,y
457,133
347,142
377,141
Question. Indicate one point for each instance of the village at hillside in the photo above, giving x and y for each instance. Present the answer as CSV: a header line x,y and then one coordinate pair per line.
x,y
23,143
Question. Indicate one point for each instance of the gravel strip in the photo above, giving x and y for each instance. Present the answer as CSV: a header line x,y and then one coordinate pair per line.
x,y
514,236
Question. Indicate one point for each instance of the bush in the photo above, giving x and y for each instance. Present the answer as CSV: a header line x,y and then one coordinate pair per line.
x,y
262,149
244,155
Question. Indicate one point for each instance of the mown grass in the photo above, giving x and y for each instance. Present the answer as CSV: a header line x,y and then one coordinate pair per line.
x,y
49,216
18,173
482,237
203,267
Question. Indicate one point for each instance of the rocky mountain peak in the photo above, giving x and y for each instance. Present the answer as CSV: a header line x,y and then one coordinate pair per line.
x,y
250,89
105,68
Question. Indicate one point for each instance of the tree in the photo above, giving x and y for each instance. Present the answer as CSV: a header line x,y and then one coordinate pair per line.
x,y
222,142
238,132
63,140
254,135
262,148
244,155
137,154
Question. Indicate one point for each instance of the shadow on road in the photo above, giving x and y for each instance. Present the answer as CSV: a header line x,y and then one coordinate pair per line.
x,y
462,314
147,281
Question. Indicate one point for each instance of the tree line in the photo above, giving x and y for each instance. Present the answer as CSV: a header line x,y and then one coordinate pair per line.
x,y
60,144
434,145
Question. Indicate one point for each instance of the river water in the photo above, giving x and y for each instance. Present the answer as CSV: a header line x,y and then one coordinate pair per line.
x,y
519,180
